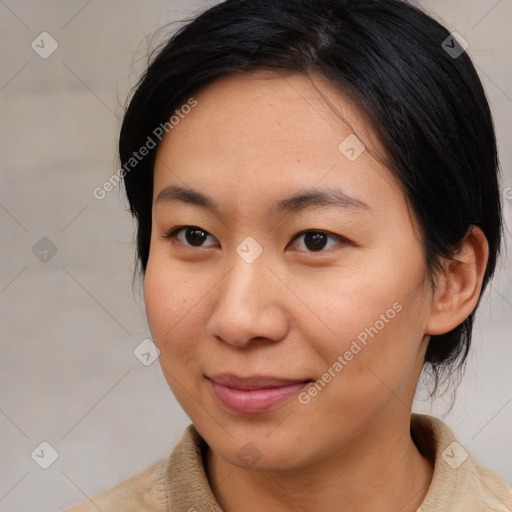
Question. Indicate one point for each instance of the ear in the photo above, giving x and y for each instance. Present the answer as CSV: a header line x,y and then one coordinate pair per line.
x,y
459,285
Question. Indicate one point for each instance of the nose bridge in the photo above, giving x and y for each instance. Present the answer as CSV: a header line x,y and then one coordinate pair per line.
x,y
242,288
246,306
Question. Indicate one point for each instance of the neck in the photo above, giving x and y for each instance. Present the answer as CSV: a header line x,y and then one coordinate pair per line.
x,y
382,470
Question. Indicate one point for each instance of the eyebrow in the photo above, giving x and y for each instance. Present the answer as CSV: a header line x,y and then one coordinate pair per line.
x,y
327,196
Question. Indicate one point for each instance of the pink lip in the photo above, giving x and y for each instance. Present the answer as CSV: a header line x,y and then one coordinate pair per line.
x,y
253,395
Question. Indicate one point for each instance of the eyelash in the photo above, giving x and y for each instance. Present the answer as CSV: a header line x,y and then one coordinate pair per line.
x,y
172,235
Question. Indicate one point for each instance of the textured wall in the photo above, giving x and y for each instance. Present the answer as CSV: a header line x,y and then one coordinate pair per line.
x,y
69,318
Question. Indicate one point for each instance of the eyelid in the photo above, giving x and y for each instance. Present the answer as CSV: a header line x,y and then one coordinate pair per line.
x,y
339,238
172,234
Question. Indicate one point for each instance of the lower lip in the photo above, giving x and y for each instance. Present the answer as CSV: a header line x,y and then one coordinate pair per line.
x,y
254,401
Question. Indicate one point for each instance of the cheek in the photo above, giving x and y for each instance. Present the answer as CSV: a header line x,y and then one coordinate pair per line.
x,y
372,317
173,308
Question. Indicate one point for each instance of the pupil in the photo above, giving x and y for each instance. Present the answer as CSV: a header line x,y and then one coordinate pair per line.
x,y
315,241
195,236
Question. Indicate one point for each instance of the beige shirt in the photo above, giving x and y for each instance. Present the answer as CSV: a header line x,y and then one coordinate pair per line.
x,y
178,483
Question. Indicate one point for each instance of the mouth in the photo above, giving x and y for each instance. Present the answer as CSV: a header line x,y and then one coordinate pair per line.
x,y
256,394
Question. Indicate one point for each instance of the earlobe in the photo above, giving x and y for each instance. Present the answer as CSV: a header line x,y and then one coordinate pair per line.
x,y
459,285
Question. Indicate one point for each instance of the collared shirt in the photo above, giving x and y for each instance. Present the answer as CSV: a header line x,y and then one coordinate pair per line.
x,y
179,483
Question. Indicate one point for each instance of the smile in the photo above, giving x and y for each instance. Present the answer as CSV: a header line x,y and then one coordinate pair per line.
x,y
253,395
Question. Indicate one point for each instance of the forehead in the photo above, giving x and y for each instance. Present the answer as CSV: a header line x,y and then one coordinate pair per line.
x,y
263,130
264,104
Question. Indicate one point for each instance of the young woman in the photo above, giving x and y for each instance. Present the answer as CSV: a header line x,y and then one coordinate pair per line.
x,y
316,194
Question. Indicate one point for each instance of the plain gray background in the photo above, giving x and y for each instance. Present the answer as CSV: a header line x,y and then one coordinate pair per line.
x,y
68,374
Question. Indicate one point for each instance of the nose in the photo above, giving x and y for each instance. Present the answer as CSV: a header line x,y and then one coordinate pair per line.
x,y
249,306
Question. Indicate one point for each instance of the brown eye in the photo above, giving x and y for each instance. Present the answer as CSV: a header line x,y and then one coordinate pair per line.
x,y
316,241
192,236
195,237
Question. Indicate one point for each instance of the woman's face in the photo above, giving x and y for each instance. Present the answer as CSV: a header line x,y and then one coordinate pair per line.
x,y
333,321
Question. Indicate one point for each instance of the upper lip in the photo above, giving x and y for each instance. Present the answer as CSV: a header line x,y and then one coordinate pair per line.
x,y
254,382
